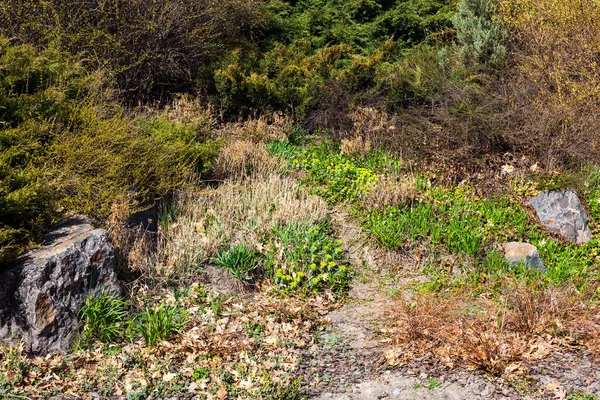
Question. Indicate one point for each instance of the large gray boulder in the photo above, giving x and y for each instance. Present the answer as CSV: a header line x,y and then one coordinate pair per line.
x,y
561,212
42,294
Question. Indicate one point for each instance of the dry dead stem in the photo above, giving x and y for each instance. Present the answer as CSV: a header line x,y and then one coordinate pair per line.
x,y
235,212
496,336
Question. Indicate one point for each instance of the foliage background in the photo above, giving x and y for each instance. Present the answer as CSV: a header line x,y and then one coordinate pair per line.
x,y
453,83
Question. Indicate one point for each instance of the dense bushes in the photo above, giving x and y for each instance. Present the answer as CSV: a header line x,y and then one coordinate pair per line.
x,y
245,56
35,99
361,24
64,148
151,47
555,80
313,47
435,74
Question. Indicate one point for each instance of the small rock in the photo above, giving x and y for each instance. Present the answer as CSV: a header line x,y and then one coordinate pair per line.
x,y
397,392
487,391
516,253
562,213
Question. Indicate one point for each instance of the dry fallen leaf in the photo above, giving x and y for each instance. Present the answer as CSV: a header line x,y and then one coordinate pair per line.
x,y
222,393
193,387
559,392
169,377
245,384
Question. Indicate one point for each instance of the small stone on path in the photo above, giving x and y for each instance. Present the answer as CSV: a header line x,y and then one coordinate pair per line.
x,y
516,253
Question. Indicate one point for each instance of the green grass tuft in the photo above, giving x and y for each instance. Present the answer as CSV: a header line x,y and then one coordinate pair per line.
x,y
104,318
161,323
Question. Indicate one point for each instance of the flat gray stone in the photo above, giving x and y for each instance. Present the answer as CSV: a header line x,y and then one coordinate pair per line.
x,y
561,212
42,294
516,253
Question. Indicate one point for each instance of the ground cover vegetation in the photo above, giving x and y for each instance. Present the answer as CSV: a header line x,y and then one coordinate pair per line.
x,y
464,303
429,121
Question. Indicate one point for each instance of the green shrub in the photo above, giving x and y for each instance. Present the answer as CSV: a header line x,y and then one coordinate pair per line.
x,y
416,78
481,34
37,92
313,47
362,24
129,159
151,47
284,78
65,148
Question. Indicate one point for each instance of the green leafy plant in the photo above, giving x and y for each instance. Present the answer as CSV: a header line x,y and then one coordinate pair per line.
x,y
201,373
104,318
160,323
216,303
312,259
254,329
296,135
243,262
433,383
336,177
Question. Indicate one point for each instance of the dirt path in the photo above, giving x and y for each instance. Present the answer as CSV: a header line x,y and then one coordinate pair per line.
x,y
348,363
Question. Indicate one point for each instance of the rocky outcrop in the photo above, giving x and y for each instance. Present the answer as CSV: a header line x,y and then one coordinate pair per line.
x,y
562,213
41,296
525,253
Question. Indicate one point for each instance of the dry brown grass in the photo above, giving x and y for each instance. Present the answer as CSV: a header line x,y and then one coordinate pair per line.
x,y
492,335
356,146
245,159
208,220
392,191
371,125
187,110
259,129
